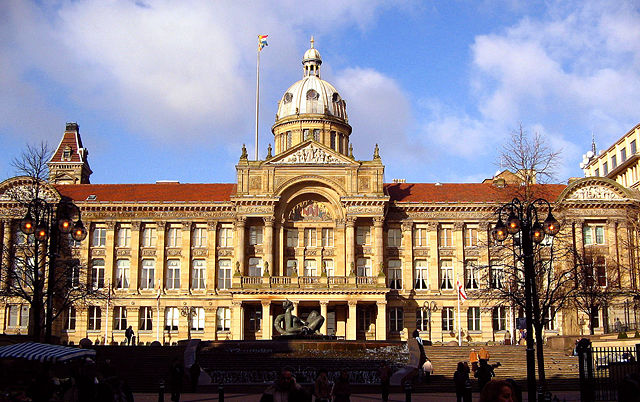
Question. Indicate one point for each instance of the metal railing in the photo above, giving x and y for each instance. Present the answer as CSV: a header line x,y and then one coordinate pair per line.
x,y
603,371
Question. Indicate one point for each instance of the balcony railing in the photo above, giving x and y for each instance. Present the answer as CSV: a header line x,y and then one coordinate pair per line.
x,y
308,282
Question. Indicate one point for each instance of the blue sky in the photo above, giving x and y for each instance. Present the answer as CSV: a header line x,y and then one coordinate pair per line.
x,y
165,90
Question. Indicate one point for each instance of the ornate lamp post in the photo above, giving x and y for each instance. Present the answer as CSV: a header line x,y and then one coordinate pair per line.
x,y
429,307
523,219
189,312
47,222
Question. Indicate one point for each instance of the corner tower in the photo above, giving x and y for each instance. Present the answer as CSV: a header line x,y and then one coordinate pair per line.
x,y
69,164
312,109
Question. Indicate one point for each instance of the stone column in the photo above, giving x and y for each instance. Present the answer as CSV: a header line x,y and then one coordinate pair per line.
x,y
458,260
240,245
237,320
211,277
434,264
381,321
268,242
351,320
135,257
266,319
185,256
350,245
280,266
109,258
160,254
324,304
378,244
407,253
4,251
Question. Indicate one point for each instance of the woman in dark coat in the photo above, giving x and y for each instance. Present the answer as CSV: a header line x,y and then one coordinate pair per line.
x,y
342,388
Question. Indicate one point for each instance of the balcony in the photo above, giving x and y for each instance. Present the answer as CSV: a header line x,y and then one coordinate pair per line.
x,y
309,282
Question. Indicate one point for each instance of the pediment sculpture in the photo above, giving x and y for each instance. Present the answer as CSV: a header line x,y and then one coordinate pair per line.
x,y
311,154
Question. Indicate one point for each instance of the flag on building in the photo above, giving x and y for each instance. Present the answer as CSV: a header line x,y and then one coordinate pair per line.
x,y
461,292
262,42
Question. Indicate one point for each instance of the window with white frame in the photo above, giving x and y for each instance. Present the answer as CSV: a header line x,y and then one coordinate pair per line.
x,y
394,237
473,319
422,275
149,236
327,237
99,237
124,236
224,274
593,234
73,276
447,318
254,318
146,318
396,319
422,319
173,274
395,274
225,236
497,275
171,318
255,266
363,235
122,274
199,269
174,236
255,235
499,318
292,238
197,319
595,316
223,319
445,236
147,274
471,236
119,318
420,234
292,267
199,237
329,267
446,274
310,268
18,316
97,273
73,243
310,237
471,274
364,267
70,319
94,318
595,269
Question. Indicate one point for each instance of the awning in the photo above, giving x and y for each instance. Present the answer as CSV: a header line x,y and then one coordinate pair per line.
x,y
44,352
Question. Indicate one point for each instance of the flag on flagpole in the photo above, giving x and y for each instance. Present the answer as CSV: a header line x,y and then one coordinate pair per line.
x,y
262,41
461,292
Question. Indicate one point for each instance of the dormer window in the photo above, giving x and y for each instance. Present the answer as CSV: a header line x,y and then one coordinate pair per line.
x,y
66,153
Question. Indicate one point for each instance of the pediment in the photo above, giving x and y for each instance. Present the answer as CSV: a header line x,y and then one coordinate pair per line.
x,y
310,153
595,189
22,189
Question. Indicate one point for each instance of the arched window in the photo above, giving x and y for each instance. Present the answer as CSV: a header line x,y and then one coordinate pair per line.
x,y
312,101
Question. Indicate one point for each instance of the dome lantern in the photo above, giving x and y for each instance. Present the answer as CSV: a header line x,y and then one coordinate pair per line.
x,y
311,61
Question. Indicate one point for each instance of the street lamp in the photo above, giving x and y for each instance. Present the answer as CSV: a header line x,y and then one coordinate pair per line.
x,y
523,219
429,307
46,222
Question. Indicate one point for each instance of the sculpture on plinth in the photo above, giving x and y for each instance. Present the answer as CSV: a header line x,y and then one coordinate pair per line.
x,y
288,324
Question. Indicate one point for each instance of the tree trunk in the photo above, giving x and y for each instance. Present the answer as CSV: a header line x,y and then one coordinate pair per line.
x,y
540,354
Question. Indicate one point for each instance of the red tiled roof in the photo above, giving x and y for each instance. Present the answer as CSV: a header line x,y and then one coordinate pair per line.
x,y
162,192
464,192
71,139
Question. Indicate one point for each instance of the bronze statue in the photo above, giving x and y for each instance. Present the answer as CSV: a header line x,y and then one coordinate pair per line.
x,y
289,324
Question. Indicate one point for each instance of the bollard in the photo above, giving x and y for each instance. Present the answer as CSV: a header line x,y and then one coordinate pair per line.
x,y
161,391
220,393
407,392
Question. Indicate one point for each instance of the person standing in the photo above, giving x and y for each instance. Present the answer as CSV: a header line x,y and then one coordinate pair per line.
x,y
473,360
176,375
342,388
483,354
460,378
128,333
322,387
384,372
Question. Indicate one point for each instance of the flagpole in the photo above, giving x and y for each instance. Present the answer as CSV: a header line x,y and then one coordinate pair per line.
x,y
257,98
459,327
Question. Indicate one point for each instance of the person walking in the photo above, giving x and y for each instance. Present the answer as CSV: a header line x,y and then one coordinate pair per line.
x,y
384,372
128,333
483,354
342,388
176,374
485,373
322,387
194,375
285,388
460,379
473,360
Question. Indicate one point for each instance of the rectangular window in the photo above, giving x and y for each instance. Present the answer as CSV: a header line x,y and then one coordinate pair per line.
x,y
593,234
499,318
149,236
549,319
596,172
255,266
254,316
24,316
614,162
255,235
174,237
422,319
420,237
447,318
329,267
497,276
146,318
223,319
395,274
365,318
471,236
292,268
292,238
97,273
605,168
70,321
95,318
119,318
327,237
446,236
173,274
124,237
473,319
14,315
198,274
623,154
394,237
363,237
310,268
396,319
471,274
197,319
595,316
310,237
446,274
289,139
422,275
364,267
600,270
99,238
171,318
633,147
73,276
199,237
73,243
122,274
224,274
225,237
333,140
147,276
316,134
